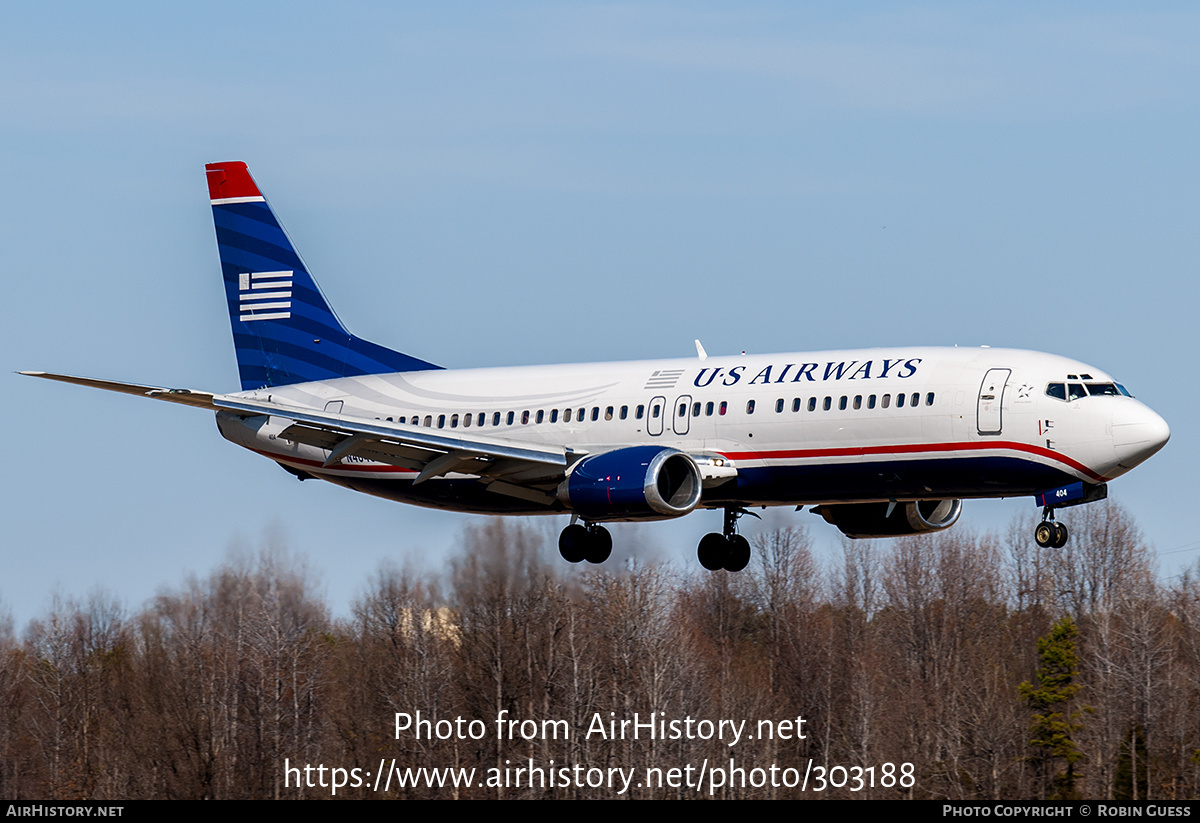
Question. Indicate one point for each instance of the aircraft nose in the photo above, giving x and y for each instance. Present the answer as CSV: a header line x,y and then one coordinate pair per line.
x,y
1138,432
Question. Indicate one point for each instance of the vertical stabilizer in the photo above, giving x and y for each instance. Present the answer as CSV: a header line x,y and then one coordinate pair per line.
x,y
283,329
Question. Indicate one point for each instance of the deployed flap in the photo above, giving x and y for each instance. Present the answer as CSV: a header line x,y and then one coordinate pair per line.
x,y
186,397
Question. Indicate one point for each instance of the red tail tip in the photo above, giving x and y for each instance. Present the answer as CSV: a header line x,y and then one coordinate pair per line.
x,y
232,179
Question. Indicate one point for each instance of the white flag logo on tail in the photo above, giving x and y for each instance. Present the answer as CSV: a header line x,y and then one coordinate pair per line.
x,y
265,295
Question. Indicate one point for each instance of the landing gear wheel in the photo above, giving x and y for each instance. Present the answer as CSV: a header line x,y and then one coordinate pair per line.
x,y
1045,533
737,555
1060,535
712,551
599,544
574,543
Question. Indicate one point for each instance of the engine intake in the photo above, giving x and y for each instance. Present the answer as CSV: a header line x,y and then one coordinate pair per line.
x,y
873,520
635,483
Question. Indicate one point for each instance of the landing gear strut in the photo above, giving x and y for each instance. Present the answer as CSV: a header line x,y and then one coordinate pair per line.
x,y
591,543
729,550
1050,534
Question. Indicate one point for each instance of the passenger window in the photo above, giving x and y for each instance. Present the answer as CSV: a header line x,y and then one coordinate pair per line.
x,y
581,415
696,409
887,401
828,403
857,401
496,419
401,420
510,418
929,399
842,403
655,410
708,409
724,407
567,415
796,404
624,412
749,407
641,410
779,405
683,410
525,418
482,417
608,413
595,413
441,421
871,402
467,420
554,415
454,422
812,404
428,420
915,400
541,415
899,401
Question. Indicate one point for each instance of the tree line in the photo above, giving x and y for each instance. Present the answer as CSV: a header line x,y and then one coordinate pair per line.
x,y
944,651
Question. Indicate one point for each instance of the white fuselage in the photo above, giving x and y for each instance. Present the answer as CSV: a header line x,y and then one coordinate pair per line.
x,y
801,428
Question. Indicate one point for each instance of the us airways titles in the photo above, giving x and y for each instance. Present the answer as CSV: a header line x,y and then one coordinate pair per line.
x,y
813,372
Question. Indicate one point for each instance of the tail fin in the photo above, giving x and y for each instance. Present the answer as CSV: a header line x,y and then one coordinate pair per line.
x,y
283,329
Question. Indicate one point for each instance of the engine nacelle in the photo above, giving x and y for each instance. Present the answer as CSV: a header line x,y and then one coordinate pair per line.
x,y
873,520
635,483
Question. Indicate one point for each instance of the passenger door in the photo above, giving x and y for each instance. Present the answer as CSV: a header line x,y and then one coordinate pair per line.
x,y
991,401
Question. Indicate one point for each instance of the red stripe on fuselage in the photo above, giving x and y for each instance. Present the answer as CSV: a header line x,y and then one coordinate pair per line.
x,y
917,448
778,454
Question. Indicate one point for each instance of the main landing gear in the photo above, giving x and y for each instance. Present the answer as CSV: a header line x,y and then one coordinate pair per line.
x,y
1050,534
729,550
591,543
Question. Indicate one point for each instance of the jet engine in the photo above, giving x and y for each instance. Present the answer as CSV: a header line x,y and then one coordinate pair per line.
x,y
634,483
875,519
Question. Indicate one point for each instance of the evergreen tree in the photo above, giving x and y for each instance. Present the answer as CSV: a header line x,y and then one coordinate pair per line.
x,y
1053,726
1132,782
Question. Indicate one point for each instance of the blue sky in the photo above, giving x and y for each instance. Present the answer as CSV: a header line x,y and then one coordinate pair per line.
x,y
518,183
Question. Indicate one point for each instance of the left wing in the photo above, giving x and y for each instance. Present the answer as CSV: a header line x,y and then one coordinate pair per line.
x,y
529,471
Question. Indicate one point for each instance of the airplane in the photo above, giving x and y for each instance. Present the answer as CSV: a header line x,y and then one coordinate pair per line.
x,y
879,442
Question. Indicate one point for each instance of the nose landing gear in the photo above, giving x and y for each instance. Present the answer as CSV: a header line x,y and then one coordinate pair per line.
x,y
1050,534
729,550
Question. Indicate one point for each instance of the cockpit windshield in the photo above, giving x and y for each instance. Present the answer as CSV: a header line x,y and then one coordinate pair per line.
x,y
1071,392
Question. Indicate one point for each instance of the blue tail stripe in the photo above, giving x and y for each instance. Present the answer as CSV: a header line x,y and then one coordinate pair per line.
x,y
239,247
331,361
307,342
